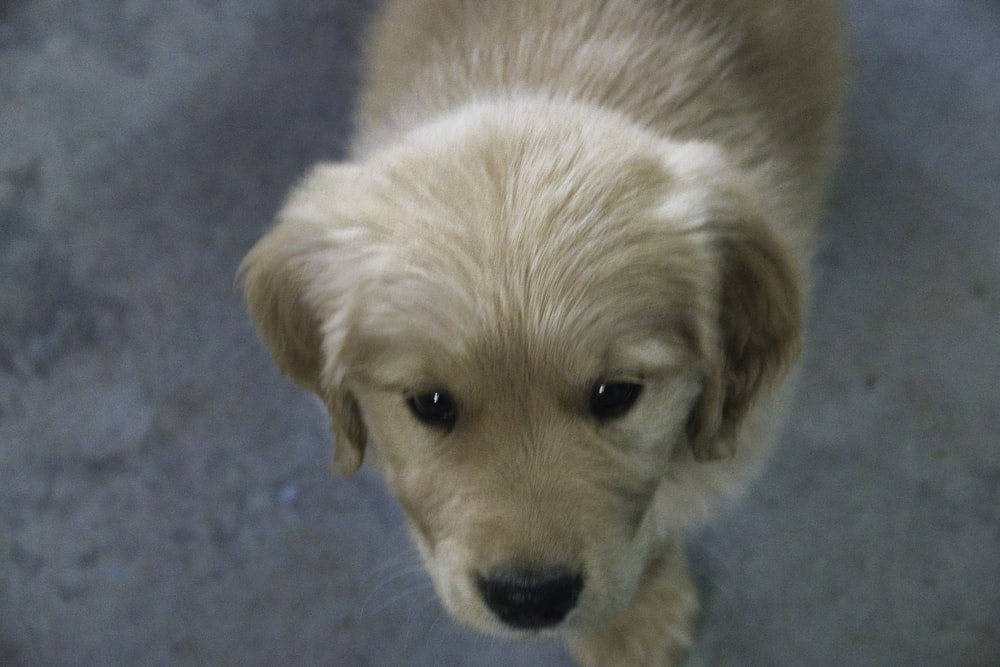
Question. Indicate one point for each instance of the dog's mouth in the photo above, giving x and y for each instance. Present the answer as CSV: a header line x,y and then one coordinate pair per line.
x,y
537,583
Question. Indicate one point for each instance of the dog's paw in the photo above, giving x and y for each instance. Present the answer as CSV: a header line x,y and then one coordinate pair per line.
x,y
655,630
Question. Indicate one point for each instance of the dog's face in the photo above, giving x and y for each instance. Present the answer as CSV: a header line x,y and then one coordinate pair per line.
x,y
530,318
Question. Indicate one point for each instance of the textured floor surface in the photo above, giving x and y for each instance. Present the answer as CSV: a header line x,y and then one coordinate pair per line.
x,y
163,493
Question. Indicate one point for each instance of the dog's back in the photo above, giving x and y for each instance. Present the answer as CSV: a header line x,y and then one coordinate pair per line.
x,y
760,77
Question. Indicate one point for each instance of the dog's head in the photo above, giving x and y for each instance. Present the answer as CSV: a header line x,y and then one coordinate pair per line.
x,y
530,316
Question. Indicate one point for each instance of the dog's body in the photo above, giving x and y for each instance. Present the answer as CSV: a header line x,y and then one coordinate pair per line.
x,y
558,288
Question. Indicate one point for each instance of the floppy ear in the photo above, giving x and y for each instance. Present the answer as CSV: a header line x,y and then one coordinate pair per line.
x,y
759,331
298,286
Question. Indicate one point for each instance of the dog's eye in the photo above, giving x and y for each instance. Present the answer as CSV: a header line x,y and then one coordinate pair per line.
x,y
435,408
609,400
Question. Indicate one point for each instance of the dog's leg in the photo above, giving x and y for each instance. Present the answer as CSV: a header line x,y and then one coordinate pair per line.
x,y
656,629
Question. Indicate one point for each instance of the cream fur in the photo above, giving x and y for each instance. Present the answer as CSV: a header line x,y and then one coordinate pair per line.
x,y
543,196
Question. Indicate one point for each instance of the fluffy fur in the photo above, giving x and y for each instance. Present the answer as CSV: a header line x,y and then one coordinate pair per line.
x,y
544,196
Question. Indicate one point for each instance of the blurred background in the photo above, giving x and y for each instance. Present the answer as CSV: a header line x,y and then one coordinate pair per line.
x,y
164,494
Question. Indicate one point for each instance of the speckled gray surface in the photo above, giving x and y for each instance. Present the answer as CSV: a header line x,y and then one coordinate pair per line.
x,y
164,498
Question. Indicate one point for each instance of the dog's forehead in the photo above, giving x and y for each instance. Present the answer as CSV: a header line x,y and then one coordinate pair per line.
x,y
582,295
517,248
432,348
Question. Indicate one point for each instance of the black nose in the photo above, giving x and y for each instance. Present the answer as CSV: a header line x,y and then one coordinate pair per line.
x,y
530,600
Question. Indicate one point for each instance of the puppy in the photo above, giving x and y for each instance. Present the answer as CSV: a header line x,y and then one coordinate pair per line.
x,y
556,293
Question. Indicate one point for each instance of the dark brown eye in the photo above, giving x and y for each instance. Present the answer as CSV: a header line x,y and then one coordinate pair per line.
x,y
609,400
434,408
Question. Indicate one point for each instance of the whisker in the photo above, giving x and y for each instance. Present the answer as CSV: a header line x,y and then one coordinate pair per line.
x,y
402,594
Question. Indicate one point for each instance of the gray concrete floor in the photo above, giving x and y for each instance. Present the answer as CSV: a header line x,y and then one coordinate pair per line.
x,y
164,498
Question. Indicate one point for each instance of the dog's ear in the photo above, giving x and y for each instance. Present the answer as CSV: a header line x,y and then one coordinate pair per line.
x,y
298,282
759,331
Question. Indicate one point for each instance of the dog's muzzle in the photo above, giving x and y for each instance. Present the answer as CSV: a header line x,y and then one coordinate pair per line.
x,y
530,600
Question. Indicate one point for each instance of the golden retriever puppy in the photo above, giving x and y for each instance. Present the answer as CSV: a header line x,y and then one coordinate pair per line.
x,y
556,293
